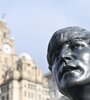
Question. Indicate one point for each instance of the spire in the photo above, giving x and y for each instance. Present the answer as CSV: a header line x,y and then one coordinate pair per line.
x,y
3,24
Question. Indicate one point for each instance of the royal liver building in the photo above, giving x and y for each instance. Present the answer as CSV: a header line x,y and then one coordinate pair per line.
x,y
20,78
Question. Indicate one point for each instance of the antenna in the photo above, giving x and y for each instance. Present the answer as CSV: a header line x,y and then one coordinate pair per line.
x,y
4,17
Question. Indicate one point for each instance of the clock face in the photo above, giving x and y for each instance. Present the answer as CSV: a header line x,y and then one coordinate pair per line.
x,y
7,48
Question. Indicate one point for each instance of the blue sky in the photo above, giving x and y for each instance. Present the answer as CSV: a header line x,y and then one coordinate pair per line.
x,y
32,23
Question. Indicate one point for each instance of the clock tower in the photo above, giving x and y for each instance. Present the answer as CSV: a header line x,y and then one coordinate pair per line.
x,y
7,51
20,78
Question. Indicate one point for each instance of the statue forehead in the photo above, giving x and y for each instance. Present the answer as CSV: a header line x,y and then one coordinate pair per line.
x,y
67,34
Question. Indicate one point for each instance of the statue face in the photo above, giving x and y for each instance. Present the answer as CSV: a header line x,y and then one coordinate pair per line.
x,y
71,64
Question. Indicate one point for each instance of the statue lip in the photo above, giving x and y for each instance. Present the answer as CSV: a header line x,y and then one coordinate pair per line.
x,y
69,68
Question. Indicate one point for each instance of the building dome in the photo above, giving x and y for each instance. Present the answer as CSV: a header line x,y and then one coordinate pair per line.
x,y
26,56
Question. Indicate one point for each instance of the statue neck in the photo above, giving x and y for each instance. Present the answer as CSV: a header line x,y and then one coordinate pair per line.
x,y
80,93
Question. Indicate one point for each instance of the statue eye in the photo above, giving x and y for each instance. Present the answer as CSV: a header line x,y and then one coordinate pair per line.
x,y
77,46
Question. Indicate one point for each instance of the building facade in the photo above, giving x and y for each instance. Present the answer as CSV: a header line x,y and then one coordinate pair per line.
x,y
54,92
20,78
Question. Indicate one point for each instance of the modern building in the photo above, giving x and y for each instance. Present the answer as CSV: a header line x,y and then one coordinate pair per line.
x,y
20,78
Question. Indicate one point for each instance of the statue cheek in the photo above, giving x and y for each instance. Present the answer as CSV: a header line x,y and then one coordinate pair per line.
x,y
86,57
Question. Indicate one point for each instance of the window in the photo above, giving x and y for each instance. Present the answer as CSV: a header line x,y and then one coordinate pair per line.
x,y
28,85
6,60
28,64
24,93
33,87
5,88
24,85
39,97
7,98
4,34
3,97
29,95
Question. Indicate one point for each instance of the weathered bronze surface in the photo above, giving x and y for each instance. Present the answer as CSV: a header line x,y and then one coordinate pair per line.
x,y
68,57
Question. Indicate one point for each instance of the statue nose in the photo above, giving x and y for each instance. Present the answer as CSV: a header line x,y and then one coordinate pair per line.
x,y
66,54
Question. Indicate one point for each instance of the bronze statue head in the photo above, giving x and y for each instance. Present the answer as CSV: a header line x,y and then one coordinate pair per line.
x,y
68,57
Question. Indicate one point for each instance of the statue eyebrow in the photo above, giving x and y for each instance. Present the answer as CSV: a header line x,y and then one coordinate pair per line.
x,y
78,40
75,40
